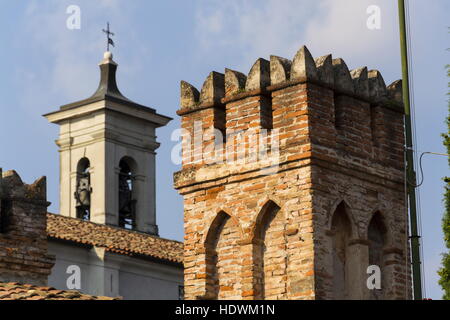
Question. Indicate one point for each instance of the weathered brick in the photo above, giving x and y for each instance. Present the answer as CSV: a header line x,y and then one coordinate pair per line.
x,y
23,236
308,227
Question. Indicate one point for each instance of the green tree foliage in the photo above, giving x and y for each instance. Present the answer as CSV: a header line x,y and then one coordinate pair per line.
x,y
444,272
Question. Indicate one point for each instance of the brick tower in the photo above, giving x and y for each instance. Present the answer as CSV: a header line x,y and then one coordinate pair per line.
x,y
293,183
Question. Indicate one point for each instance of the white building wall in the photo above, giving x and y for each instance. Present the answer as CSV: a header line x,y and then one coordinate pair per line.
x,y
108,274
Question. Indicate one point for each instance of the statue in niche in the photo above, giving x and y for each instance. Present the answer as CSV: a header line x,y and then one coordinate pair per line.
x,y
83,196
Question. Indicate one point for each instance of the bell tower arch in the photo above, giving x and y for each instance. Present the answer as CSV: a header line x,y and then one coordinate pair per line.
x,y
107,145
83,190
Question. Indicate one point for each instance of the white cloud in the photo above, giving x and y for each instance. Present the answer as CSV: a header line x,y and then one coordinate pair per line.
x,y
262,28
258,28
342,30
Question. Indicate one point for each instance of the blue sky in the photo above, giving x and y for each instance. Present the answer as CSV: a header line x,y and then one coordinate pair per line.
x,y
159,43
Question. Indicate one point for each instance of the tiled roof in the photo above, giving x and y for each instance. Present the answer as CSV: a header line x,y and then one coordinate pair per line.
x,y
16,291
113,239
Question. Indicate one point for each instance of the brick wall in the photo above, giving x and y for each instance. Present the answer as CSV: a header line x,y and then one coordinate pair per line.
x,y
23,235
280,206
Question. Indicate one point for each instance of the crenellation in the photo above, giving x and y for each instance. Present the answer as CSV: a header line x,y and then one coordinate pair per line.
x,y
234,82
395,91
377,86
360,78
303,66
324,66
246,97
343,82
280,70
259,76
272,75
213,89
190,96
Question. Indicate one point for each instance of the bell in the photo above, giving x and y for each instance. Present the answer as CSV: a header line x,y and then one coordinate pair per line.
x,y
84,198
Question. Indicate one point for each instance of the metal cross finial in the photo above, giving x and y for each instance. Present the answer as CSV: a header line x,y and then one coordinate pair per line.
x,y
109,34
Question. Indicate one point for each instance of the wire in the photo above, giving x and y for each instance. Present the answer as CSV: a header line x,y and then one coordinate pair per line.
x,y
429,152
421,167
418,197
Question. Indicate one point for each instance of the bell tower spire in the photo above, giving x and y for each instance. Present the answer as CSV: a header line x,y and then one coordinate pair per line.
x,y
107,146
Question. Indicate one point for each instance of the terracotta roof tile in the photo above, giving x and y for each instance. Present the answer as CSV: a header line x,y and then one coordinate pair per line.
x,y
113,239
17,291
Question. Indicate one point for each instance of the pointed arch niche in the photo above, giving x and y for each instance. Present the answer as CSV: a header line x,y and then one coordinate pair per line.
x,y
341,230
223,259
377,237
269,253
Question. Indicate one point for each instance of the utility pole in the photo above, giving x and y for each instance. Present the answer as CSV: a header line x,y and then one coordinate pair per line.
x,y
410,174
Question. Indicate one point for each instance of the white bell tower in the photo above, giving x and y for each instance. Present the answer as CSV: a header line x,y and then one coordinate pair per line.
x,y
107,152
